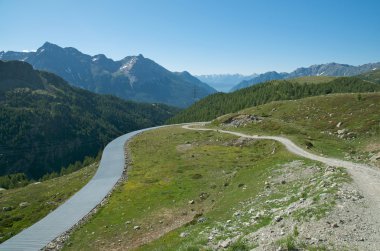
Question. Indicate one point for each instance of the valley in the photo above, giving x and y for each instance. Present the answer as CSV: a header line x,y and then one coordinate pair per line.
x,y
224,185
189,125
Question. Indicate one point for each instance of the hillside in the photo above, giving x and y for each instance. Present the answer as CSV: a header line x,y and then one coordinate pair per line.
x,y
132,78
372,76
220,103
22,210
47,124
331,69
338,125
206,190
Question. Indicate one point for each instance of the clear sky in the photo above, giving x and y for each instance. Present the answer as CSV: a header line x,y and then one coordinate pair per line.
x,y
201,36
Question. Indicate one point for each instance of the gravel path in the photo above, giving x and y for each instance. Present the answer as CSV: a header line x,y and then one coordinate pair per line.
x,y
110,170
365,177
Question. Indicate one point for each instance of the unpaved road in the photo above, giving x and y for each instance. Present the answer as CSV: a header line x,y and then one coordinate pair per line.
x,y
366,177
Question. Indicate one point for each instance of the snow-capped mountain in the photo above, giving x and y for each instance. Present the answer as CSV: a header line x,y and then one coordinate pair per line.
x,y
132,78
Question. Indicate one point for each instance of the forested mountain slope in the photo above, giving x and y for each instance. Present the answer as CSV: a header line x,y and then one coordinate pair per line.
x,y
47,124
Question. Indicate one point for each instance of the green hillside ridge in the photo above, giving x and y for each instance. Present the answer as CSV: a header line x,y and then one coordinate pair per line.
x,y
338,125
47,124
221,103
21,210
372,76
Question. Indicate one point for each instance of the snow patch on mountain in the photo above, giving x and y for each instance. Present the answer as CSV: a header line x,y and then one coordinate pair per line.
x,y
129,65
320,74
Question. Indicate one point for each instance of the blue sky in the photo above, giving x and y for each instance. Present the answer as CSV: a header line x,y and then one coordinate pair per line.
x,y
201,36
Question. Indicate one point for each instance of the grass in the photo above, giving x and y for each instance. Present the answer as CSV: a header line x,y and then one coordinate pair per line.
x,y
314,121
313,79
41,199
171,168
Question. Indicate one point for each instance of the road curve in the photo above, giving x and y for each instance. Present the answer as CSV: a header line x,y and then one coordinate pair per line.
x,y
110,170
366,177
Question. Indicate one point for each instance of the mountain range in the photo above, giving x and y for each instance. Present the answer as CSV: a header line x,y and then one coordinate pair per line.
x,y
219,104
47,123
330,69
224,82
132,78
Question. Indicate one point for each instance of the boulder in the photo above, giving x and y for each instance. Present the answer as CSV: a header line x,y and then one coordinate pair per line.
x,y
24,204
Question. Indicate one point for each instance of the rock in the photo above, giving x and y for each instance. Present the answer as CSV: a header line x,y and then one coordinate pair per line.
x,y
24,204
202,219
242,120
127,222
5,209
278,218
191,202
339,124
237,213
136,227
51,245
226,243
183,234
375,157
341,132
203,196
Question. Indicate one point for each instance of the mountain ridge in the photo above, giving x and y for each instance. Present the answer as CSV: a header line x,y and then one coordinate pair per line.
x,y
132,78
328,69
224,82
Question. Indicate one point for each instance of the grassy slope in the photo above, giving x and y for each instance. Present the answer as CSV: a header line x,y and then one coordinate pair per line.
x,y
315,120
42,198
219,104
372,76
171,167
313,79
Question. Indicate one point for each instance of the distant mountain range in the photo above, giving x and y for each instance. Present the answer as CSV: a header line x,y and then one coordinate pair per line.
x,y
224,82
132,78
331,69
47,124
219,104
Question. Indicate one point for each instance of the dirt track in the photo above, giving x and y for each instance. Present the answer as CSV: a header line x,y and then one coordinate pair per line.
x,y
366,178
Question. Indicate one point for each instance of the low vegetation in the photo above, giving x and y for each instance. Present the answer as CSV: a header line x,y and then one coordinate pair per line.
x,y
340,125
20,210
184,186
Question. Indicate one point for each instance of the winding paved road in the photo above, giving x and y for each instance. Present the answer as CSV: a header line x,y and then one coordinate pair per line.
x,y
110,170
